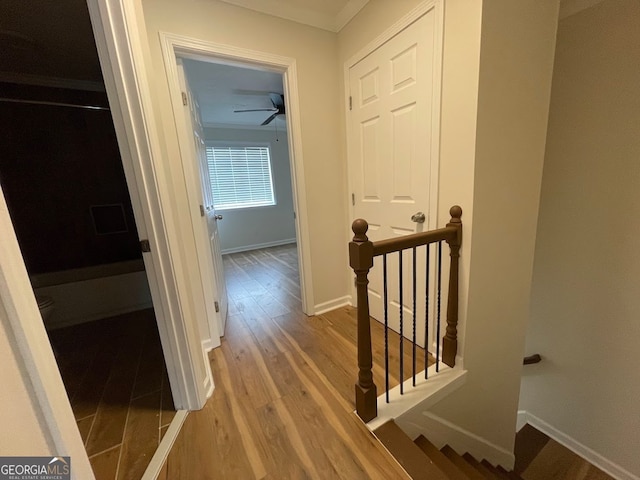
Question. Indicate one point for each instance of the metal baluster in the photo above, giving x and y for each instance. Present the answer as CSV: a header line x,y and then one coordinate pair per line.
x,y
438,306
413,354
401,324
386,327
426,314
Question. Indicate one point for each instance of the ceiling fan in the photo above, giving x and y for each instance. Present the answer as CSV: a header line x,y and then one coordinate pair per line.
x,y
277,100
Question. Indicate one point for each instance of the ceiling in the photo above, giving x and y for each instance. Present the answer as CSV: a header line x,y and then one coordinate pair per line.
x,y
329,15
50,42
221,89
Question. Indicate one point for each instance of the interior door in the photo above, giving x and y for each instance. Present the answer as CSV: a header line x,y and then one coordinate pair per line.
x,y
390,150
215,288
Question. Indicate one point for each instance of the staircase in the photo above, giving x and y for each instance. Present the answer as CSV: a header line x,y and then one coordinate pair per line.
x,y
422,460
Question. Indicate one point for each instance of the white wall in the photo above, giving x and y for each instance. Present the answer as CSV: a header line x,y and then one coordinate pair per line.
x,y
250,228
315,52
516,61
498,58
585,305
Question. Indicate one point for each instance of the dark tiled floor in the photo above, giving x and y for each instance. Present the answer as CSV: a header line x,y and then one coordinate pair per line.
x,y
114,373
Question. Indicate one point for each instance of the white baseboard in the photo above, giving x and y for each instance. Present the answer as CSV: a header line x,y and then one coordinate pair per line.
x,y
521,420
256,246
416,400
162,452
441,432
208,380
604,464
207,345
325,307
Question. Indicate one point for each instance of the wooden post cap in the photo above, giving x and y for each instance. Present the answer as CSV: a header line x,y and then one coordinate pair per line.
x,y
456,214
359,228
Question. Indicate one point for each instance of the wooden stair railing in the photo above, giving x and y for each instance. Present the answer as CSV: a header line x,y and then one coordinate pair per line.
x,y
361,254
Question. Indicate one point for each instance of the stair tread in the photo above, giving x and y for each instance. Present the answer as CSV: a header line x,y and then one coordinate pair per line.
x,y
497,472
468,470
407,453
484,471
510,475
440,459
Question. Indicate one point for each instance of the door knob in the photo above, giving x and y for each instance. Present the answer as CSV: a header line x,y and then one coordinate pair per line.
x,y
219,217
418,217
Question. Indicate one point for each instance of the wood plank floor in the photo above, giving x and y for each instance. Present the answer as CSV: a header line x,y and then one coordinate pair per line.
x,y
115,377
540,458
283,402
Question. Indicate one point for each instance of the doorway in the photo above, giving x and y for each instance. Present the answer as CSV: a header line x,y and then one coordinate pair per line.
x,y
68,200
255,128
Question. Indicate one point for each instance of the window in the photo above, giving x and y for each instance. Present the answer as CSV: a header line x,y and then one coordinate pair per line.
x,y
240,176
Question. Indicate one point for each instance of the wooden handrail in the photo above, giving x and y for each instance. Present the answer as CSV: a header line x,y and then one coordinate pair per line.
x,y
361,254
390,245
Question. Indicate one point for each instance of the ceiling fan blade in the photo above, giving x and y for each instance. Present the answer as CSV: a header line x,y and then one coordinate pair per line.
x,y
269,120
256,110
277,100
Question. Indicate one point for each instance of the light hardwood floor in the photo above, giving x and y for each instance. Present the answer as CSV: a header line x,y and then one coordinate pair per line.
x,y
115,377
283,402
540,458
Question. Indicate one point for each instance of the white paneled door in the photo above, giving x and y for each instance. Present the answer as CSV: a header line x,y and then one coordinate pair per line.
x,y
390,157
215,290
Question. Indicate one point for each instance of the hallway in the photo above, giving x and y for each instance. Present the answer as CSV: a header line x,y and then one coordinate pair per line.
x,y
283,403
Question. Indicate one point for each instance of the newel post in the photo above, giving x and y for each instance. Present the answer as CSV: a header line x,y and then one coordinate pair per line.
x,y
450,340
361,260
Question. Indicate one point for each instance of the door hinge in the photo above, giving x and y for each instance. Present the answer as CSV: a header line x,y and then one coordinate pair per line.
x,y
217,305
294,215
353,199
350,102
145,246
201,211
185,102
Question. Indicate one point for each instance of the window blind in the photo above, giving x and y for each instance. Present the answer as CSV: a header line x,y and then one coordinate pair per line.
x,y
240,177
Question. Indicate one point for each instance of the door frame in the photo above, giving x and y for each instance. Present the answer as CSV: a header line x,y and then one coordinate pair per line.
x,y
25,329
411,17
174,46
118,32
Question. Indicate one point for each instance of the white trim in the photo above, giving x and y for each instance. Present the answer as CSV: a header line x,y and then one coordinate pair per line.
x,y
246,248
593,457
162,452
33,345
411,17
404,22
425,394
325,307
220,53
441,432
300,14
350,10
120,46
521,420
207,345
